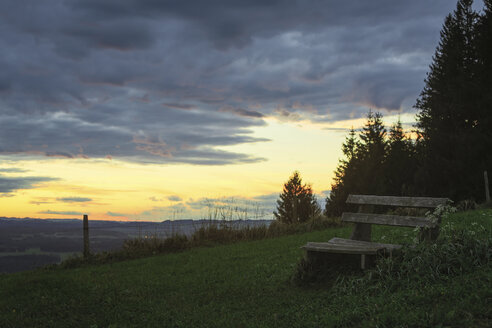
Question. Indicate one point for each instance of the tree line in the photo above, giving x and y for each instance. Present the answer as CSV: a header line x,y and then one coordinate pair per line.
x,y
453,144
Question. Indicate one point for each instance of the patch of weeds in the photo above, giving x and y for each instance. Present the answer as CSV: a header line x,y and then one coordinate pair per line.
x,y
458,252
215,233
325,269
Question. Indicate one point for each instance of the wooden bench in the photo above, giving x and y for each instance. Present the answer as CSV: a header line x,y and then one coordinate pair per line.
x,y
360,239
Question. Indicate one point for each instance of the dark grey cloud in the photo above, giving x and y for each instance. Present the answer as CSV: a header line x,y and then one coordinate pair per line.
x,y
242,112
237,23
74,199
12,184
173,82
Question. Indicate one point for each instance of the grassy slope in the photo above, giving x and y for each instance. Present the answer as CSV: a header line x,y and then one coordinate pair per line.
x,y
240,285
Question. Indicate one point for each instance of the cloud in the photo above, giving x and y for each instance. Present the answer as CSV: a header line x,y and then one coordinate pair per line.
x,y
337,129
171,212
179,106
12,170
220,208
62,212
12,184
174,82
74,199
116,214
174,198
242,112
284,115
76,137
37,202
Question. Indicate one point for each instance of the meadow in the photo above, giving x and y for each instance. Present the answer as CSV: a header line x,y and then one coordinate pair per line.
x,y
256,284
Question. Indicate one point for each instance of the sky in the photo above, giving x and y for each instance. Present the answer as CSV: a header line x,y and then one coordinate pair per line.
x,y
155,110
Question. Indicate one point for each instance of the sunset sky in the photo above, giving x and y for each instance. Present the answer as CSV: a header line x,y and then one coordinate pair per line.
x,y
131,109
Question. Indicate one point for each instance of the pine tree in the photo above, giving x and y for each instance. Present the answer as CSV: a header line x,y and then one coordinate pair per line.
x,y
484,86
361,172
371,155
400,163
297,202
345,176
449,111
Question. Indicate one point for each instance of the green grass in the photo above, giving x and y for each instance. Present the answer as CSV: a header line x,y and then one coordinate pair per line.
x,y
248,284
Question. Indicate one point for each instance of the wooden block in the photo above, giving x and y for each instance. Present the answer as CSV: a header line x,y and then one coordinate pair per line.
x,y
384,219
343,241
429,202
342,249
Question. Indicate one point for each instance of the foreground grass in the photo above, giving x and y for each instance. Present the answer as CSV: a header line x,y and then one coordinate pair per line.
x,y
247,284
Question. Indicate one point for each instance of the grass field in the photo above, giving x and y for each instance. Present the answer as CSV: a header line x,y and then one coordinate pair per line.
x,y
248,284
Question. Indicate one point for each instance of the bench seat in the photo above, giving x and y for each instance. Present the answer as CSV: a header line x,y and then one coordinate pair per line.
x,y
349,246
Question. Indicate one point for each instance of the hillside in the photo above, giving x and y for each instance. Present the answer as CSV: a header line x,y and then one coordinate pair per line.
x,y
248,284
29,243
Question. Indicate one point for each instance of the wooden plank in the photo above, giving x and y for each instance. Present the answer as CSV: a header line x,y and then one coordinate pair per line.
x,y
335,245
396,201
342,249
343,241
384,219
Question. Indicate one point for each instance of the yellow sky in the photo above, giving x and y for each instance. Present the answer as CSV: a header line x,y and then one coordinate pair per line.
x,y
134,190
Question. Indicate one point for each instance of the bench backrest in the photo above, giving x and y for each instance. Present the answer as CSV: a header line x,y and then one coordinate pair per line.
x,y
396,201
364,218
384,219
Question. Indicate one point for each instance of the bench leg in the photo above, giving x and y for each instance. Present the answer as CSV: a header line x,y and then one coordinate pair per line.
x,y
362,231
362,261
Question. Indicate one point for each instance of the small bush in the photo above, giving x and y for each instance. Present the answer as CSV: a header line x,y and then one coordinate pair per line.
x,y
466,205
456,252
448,257
485,205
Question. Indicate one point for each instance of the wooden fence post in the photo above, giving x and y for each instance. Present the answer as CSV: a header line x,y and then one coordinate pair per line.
x,y
86,236
487,194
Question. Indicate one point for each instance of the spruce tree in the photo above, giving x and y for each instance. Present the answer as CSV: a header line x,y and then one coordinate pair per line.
x,y
297,202
345,176
400,163
371,155
361,171
449,112
483,127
